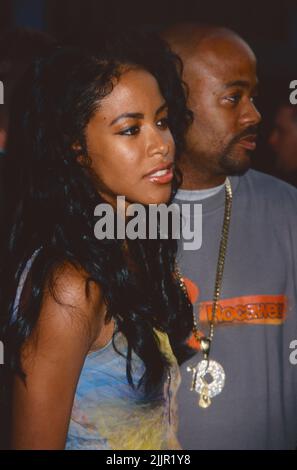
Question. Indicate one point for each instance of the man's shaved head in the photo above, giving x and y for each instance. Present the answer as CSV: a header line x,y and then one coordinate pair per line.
x,y
220,71
189,39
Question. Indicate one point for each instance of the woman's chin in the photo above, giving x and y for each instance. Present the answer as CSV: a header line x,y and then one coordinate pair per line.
x,y
162,196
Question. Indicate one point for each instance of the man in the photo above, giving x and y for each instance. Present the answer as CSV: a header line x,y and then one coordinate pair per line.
x,y
244,396
283,140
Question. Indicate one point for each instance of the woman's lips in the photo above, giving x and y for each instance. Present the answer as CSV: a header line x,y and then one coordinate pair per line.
x,y
161,176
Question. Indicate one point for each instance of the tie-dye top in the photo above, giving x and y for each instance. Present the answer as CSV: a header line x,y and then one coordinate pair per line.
x,y
107,412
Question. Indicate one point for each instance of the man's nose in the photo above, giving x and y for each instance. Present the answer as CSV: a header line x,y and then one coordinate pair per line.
x,y
250,115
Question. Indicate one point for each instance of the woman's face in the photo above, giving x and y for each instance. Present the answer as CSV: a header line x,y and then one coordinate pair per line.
x,y
129,143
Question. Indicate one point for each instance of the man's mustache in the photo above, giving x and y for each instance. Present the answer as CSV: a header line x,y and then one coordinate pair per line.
x,y
248,132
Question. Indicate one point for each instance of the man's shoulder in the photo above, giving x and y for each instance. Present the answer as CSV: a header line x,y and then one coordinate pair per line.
x,y
262,184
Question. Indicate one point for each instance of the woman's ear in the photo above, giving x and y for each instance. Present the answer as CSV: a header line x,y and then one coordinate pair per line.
x,y
83,160
77,148
80,159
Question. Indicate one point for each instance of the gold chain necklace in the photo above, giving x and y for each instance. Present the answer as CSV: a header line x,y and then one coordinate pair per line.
x,y
207,367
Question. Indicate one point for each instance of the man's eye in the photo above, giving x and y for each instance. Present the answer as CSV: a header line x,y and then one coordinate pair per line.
x,y
133,130
163,123
234,98
254,98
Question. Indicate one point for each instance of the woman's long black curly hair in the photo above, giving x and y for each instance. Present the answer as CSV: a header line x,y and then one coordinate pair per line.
x,y
52,199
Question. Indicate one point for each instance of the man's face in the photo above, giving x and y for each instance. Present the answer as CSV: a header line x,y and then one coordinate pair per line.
x,y
222,83
283,140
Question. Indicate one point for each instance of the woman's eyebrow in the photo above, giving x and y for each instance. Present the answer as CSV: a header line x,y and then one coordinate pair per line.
x,y
137,115
161,108
127,115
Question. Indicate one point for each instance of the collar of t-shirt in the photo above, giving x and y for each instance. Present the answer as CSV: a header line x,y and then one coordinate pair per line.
x,y
212,198
198,194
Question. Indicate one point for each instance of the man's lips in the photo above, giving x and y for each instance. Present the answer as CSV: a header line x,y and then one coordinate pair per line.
x,y
161,174
248,142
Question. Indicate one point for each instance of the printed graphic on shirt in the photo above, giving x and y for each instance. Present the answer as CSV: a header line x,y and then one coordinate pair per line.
x,y
250,310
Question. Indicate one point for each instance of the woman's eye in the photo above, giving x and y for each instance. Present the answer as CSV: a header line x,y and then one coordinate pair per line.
x,y
163,123
133,130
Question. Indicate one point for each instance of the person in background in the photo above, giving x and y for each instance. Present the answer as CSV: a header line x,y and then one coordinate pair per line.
x,y
283,141
18,47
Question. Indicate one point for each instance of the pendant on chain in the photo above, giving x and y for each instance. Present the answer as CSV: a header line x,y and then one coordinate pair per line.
x,y
207,389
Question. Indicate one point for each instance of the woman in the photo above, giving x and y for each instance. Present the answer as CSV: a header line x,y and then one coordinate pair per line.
x,y
88,321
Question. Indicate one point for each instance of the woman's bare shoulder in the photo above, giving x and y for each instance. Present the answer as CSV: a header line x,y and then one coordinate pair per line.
x,y
52,358
72,307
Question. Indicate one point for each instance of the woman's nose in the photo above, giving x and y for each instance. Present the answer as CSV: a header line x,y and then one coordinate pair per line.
x,y
159,144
